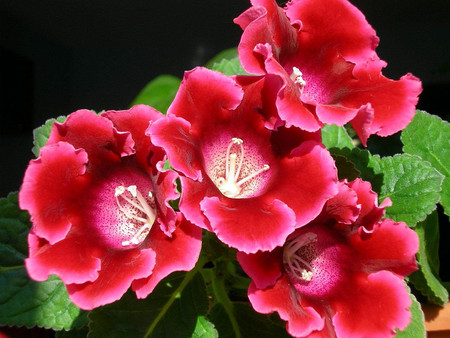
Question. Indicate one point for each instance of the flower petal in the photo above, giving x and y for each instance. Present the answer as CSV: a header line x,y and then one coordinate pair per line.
x,y
118,270
262,267
178,253
372,306
52,189
391,246
284,299
72,259
248,224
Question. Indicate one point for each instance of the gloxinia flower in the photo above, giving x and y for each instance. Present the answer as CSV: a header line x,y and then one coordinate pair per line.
x,y
342,274
324,53
250,185
100,209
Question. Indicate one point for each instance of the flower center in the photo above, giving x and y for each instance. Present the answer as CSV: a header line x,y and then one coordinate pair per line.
x,y
140,212
232,184
297,256
297,77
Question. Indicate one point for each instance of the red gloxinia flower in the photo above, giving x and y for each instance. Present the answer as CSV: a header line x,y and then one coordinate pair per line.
x,y
324,52
342,274
100,209
250,185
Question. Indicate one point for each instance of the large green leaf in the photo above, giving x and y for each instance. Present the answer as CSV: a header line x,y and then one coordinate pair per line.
x,y
412,184
416,328
426,279
42,133
204,329
24,302
159,93
227,54
171,311
428,136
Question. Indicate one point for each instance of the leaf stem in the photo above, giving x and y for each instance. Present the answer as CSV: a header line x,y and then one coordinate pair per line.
x,y
218,285
10,268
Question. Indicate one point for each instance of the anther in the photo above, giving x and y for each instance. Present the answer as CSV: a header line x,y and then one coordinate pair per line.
x,y
230,185
296,265
297,77
138,211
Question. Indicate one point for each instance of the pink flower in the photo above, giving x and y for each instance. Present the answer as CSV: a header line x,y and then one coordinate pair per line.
x,y
100,209
334,277
250,185
324,53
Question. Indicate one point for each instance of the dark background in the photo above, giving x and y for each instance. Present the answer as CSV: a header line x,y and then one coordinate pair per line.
x,y
57,56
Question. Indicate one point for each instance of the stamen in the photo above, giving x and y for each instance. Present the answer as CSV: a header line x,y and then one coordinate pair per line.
x,y
138,203
297,77
230,185
296,265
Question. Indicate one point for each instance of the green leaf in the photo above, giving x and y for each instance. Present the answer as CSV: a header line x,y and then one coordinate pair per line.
x,y
159,93
229,67
227,54
336,137
171,310
24,302
42,133
428,136
412,184
416,328
426,279
204,329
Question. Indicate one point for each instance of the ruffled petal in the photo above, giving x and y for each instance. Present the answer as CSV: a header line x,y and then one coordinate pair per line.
x,y
73,259
249,224
344,206
301,319
391,246
333,24
118,270
263,267
96,135
178,253
193,194
174,135
312,172
136,120
52,188
200,104
372,306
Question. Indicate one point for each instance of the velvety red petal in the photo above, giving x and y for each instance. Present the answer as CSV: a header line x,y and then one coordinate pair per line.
x,y
391,246
370,213
344,206
193,194
95,134
263,267
269,25
178,253
290,108
283,298
165,191
173,134
118,270
393,102
136,121
248,224
373,306
205,95
333,24
305,181
52,185
73,259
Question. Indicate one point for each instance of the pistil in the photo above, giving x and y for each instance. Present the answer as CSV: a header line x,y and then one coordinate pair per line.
x,y
231,185
137,210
